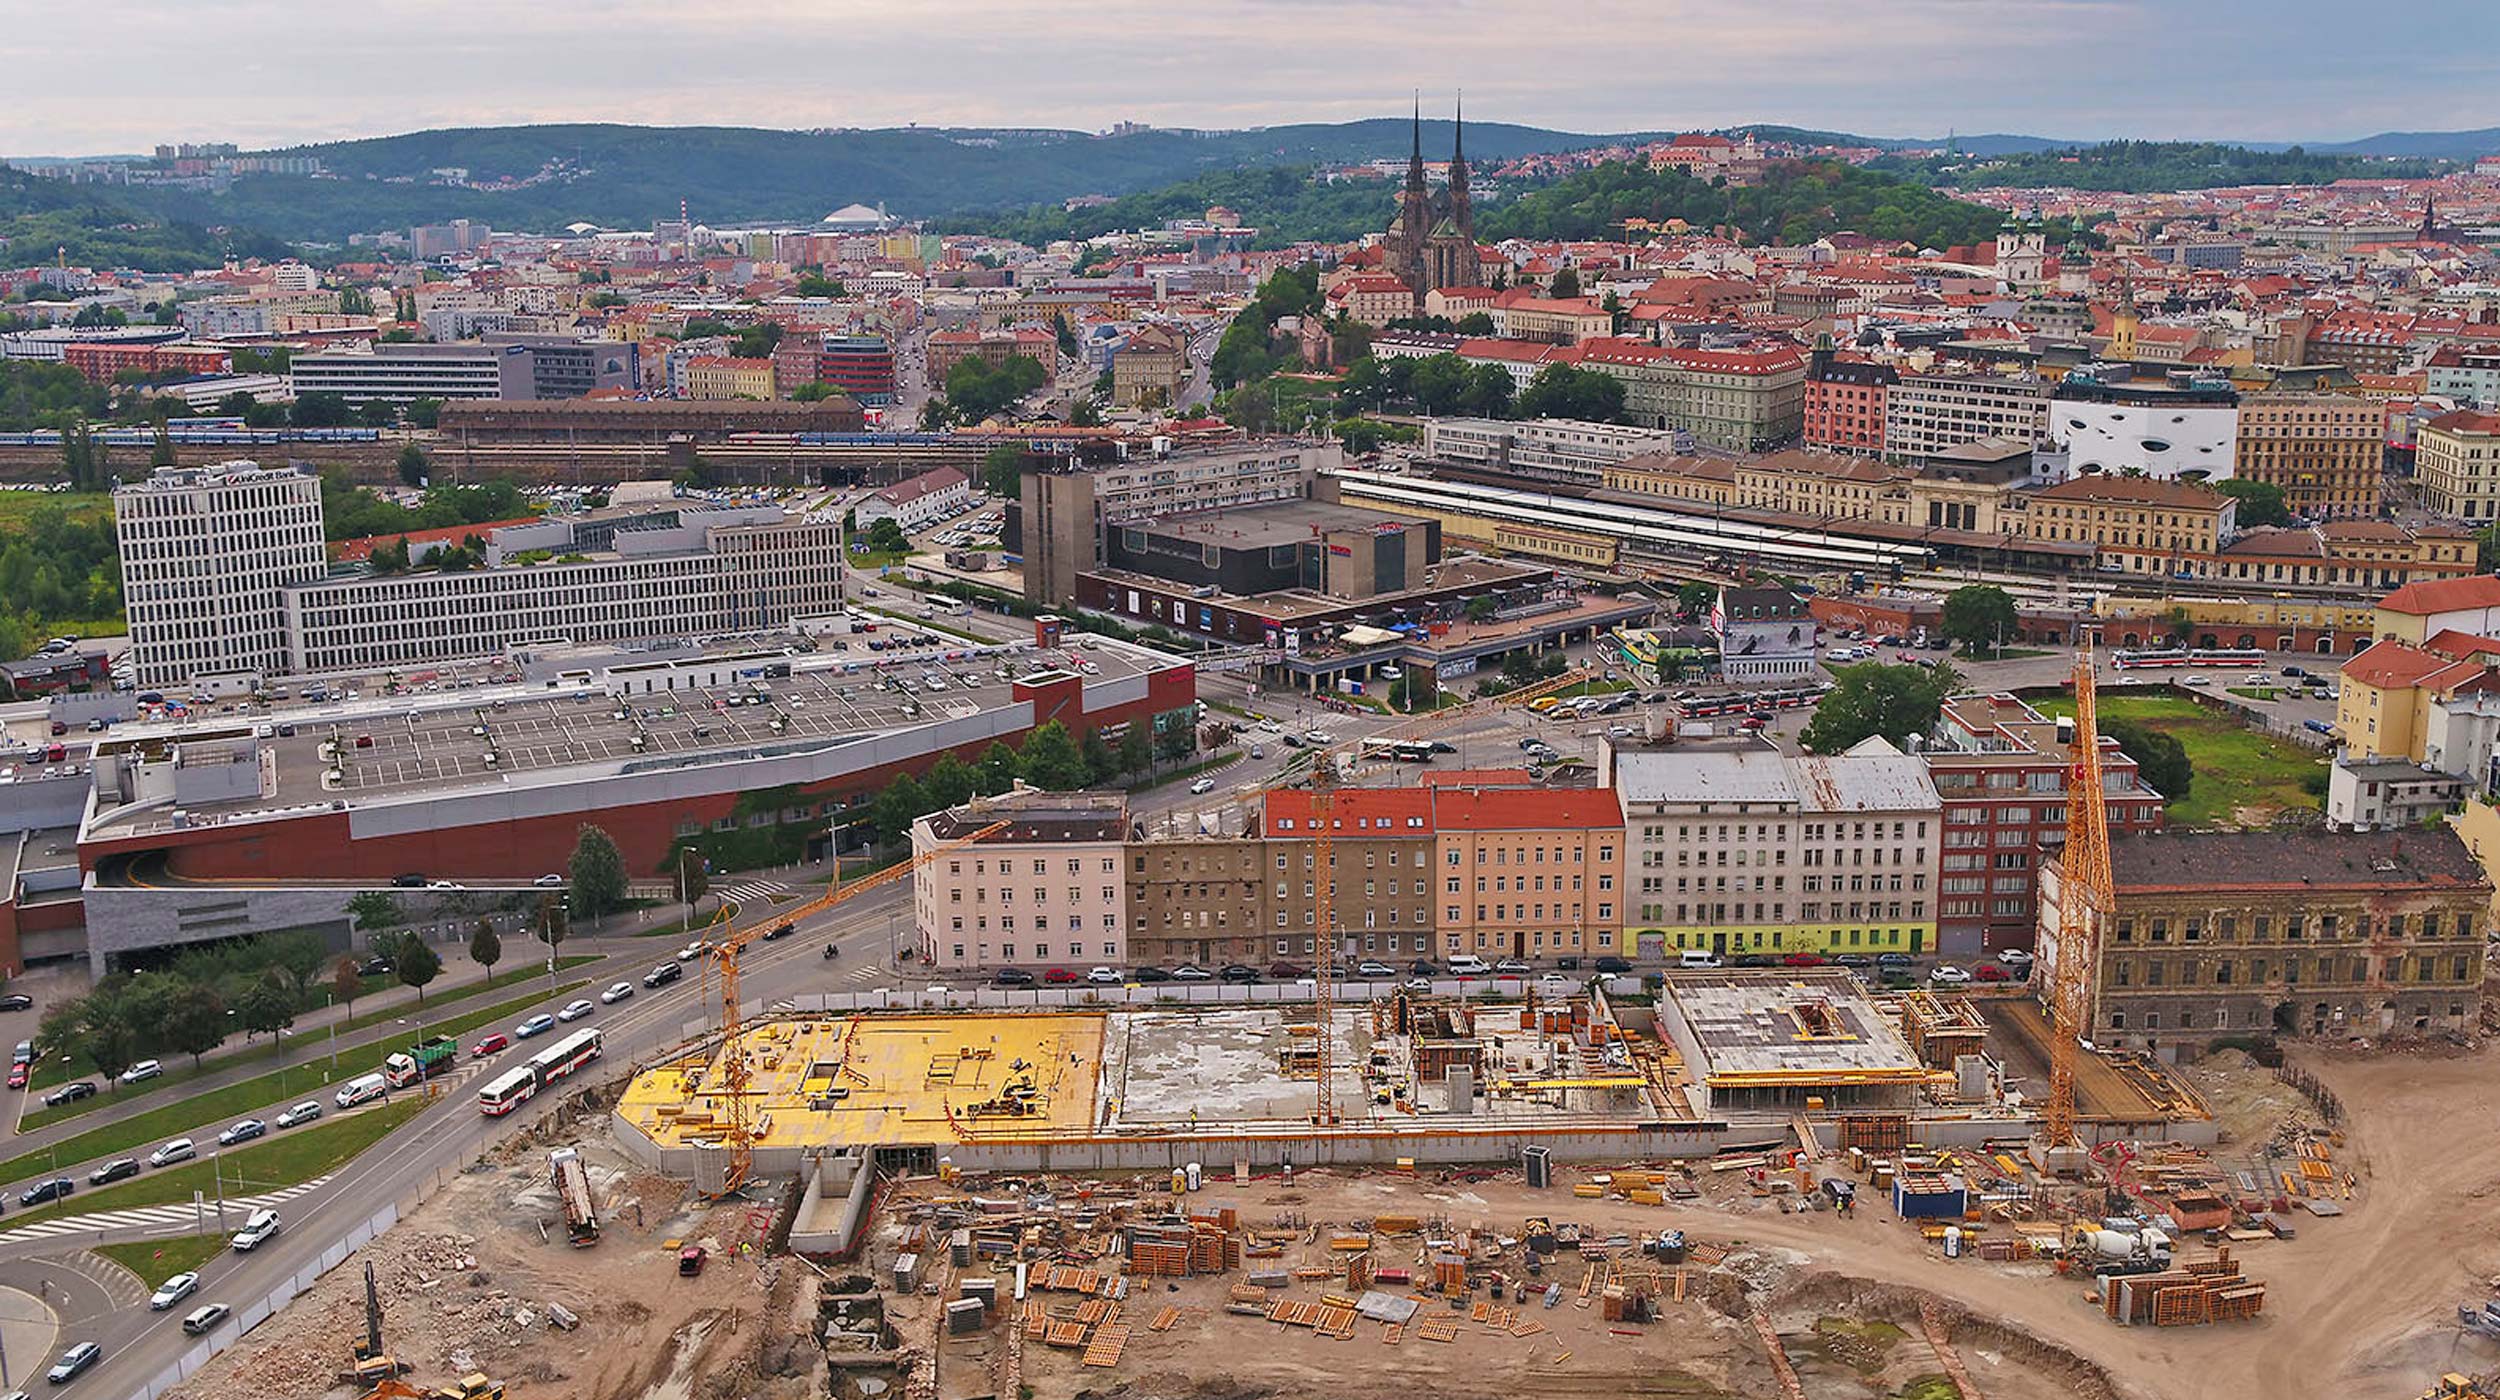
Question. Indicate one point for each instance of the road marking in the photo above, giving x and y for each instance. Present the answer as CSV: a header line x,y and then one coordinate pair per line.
x,y
138,1216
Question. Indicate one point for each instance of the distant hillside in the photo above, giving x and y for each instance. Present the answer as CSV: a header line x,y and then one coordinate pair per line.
x,y
2150,166
2420,145
1797,202
627,176
41,219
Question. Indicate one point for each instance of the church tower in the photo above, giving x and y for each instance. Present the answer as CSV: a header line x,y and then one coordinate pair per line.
x,y
1460,213
2122,319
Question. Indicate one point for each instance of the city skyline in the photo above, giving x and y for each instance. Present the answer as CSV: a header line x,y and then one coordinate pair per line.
x,y
2066,69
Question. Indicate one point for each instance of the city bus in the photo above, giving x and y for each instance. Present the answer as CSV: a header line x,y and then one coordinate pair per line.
x,y
2241,658
514,1087
1749,702
507,1091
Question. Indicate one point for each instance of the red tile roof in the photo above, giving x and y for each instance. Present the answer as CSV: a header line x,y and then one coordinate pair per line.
x,y
361,548
2461,645
2394,664
1374,812
1525,809
2443,595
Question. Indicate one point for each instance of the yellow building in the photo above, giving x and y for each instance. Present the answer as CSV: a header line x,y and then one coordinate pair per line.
x,y
2323,451
2456,461
728,377
2142,524
2388,694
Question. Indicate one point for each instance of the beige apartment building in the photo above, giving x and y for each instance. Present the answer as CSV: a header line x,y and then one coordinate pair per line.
x,y
1046,892
2323,451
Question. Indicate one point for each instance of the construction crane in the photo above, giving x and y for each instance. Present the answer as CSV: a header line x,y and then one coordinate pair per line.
x,y
2086,894
738,1133
1326,771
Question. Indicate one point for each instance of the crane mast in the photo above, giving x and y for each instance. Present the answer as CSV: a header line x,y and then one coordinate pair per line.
x,y
2086,893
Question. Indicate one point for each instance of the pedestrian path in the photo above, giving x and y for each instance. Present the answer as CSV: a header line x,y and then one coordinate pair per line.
x,y
158,1217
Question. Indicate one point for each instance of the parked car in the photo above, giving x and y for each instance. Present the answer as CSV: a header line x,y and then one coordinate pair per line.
x,y
539,1024
205,1317
1284,971
1947,975
1060,977
576,1010
18,1075
1802,959
74,1363
1012,977
375,966
1423,967
2015,957
112,1171
1187,973
494,1044
548,882
304,1112
1240,972
1892,960
173,1290
1104,976
1853,960
1614,967
617,993
690,1261
1990,972
42,1191
1151,974
144,1070
242,1130
17,1001
1512,967
662,975
179,1150
1374,969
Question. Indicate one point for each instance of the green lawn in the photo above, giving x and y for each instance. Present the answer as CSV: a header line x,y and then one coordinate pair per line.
x,y
283,1160
57,1070
2243,776
212,1108
155,1261
16,507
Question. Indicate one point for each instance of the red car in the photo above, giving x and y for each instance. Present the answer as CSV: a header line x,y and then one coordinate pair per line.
x,y
1990,972
490,1045
17,1076
1753,722
1061,977
1802,960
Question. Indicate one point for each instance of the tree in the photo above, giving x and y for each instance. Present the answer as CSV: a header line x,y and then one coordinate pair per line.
x,y
885,536
1694,599
1482,607
2261,503
417,964
1002,471
998,769
1979,617
1873,698
162,453
1567,391
551,927
692,874
413,465
1051,760
107,1033
347,982
1137,748
2160,759
896,808
486,947
425,413
597,873
1566,284
194,1021
267,1006
950,782
373,909
1101,765
320,409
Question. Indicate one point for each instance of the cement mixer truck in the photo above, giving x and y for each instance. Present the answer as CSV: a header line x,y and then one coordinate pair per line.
x,y
2107,1251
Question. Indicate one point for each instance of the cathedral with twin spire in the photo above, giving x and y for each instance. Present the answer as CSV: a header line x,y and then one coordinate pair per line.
x,y
1432,240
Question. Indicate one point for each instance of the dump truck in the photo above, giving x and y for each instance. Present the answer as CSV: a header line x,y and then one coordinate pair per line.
x,y
572,1183
423,1060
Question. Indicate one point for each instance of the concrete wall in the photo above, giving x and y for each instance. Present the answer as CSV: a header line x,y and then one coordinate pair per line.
x,y
122,920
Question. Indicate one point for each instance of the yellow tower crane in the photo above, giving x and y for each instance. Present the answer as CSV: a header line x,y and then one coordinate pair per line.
x,y
2086,894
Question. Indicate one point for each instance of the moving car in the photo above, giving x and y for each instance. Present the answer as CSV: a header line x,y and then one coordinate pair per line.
x,y
173,1290
617,993
17,1001
539,1024
113,1171
548,882
145,1069
71,1092
491,1045
1202,787
304,1112
242,1130
179,1150
662,975
43,1191
74,1363
204,1317
780,930
693,951
256,1231
575,1010
18,1075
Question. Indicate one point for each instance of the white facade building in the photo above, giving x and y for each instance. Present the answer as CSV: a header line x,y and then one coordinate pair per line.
x,y
911,504
2173,429
207,554
399,373
1926,413
1047,892
1564,446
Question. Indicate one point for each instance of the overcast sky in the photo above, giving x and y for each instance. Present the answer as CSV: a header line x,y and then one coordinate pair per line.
x,y
114,75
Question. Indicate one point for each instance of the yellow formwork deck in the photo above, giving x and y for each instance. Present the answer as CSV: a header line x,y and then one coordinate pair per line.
x,y
886,1079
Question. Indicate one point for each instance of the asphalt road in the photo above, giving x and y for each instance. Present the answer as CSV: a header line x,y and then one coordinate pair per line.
x,y
96,1304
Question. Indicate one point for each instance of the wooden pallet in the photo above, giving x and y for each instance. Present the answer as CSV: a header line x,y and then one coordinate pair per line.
x,y
1105,1348
1065,1334
1392,1333
1165,1320
1437,1329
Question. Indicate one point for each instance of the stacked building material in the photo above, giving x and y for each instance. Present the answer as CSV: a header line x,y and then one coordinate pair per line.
x,y
2210,1290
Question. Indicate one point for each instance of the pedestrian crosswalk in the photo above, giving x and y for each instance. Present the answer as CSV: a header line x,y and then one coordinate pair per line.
x,y
185,1216
754,891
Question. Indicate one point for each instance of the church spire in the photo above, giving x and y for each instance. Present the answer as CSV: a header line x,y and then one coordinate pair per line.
x,y
1415,162
1460,214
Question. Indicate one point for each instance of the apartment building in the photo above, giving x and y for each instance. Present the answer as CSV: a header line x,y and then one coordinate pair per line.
x,y
1059,523
1559,447
1845,403
402,373
1528,872
2000,768
2467,376
2281,932
692,574
2323,451
728,377
1152,369
1383,843
207,554
2143,525
917,501
1049,891
2456,464
1202,901
1747,399
1755,852
2393,698
1765,635
1927,413
1563,321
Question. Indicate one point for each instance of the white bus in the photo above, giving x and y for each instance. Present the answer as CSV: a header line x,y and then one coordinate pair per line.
x,y
507,1091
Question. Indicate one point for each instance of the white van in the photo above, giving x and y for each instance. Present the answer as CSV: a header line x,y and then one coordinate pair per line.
x,y
364,1088
1697,958
1469,965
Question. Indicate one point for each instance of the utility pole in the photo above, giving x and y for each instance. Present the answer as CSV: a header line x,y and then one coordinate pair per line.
x,y
217,1169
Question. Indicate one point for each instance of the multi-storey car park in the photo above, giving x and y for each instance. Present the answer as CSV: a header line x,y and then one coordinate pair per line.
x,y
754,757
